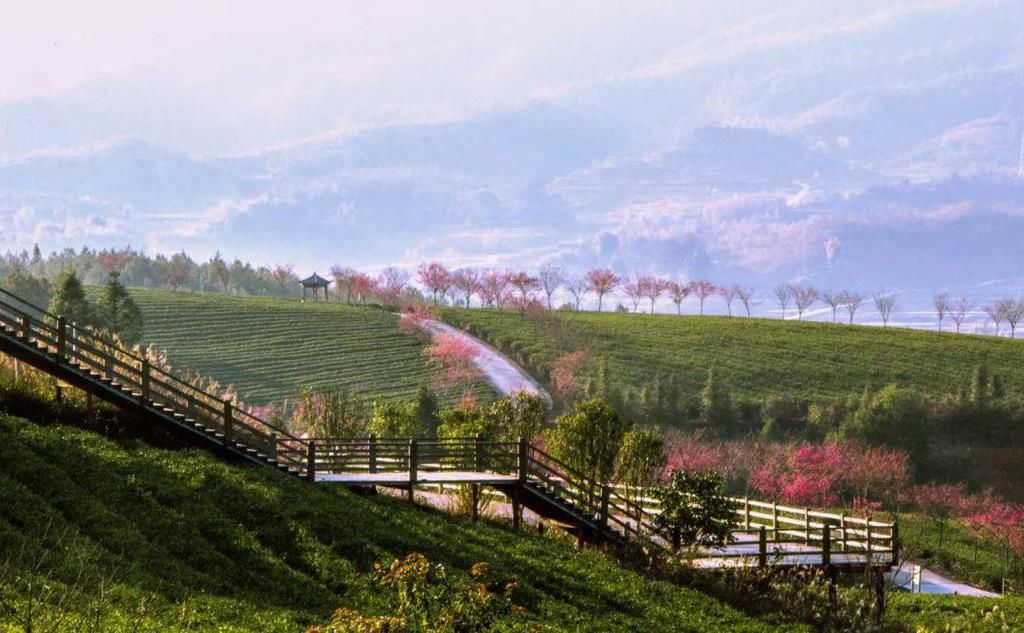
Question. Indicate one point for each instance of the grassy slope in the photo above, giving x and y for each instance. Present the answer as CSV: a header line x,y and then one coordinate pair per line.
x,y
756,356
249,549
268,348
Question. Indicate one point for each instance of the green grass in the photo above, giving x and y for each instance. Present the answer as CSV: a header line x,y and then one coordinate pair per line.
x,y
953,614
194,543
269,348
757,357
960,556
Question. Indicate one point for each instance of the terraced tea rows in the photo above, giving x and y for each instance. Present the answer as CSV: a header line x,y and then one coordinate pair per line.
x,y
756,356
269,348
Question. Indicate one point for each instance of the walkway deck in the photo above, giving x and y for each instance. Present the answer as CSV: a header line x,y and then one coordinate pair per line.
x,y
402,478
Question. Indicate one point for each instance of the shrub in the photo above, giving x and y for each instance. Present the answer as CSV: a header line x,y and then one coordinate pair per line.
x,y
695,512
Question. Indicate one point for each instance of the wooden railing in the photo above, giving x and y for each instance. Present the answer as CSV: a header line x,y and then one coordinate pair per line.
x,y
104,359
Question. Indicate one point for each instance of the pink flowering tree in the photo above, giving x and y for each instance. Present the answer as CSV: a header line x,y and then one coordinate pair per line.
x,y
602,281
435,278
1002,523
940,503
454,357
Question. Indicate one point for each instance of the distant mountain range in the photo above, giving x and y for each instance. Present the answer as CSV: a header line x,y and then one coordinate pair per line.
x,y
875,158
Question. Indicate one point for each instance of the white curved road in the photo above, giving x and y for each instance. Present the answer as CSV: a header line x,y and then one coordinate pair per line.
x,y
499,370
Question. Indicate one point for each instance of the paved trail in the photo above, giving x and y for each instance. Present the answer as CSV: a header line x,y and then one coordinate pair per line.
x,y
500,370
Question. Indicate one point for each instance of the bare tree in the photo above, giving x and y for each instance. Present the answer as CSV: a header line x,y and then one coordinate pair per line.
x,y
728,294
852,301
703,290
551,279
602,281
679,292
835,300
885,303
804,297
1013,312
578,287
746,297
343,277
994,312
782,297
941,303
633,290
959,311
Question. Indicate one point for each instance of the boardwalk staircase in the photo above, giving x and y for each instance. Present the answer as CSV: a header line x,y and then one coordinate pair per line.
x,y
531,478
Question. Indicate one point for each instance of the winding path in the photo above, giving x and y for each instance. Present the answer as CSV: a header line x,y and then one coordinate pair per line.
x,y
499,370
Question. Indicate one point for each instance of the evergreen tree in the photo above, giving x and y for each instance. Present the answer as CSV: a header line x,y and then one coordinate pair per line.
x,y
979,388
68,299
716,407
32,289
117,313
427,411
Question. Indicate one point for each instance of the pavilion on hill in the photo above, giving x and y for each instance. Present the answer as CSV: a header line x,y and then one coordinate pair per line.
x,y
314,282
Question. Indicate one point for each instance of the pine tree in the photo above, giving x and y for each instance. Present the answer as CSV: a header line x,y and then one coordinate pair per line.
x,y
68,299
980,387
716,408
117,312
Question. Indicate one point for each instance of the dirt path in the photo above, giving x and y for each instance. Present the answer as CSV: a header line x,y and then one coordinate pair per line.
x,y
499,370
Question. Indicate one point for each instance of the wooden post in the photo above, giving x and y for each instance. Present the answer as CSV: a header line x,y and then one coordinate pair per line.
x,y
517,509
677,541
807,525
58,392
108,361
310,460
842,527
272,447
26,328
895,543
522,461
475,511
605,494
746,514
826,546
372,450
478,452
144,380
867,525
228,423
89,410
775,520
62,338
413,450
762,547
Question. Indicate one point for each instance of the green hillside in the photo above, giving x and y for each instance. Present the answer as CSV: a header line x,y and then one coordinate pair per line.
x,y
268,348
756,357
183,542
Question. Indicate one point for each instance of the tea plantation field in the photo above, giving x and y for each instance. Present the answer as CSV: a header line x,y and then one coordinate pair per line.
x,y
756,357
121,537
269,348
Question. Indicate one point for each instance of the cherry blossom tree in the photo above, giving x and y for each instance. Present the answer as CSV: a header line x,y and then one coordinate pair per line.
x,y
634,291
565,374
652,287
392,282
343,277
524,282
678,292
114,261
702,290
466,280
455,358
602,281
494,287
435,278
364,286
803,297
940,503
551,279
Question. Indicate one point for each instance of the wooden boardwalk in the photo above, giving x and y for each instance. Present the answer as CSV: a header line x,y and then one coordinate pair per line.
x,y
767,533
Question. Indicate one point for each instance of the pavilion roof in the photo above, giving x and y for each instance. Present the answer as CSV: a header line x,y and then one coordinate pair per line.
x,y
315,280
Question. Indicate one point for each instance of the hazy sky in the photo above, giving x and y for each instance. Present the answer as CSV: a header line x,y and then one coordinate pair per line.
x,y
303,68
